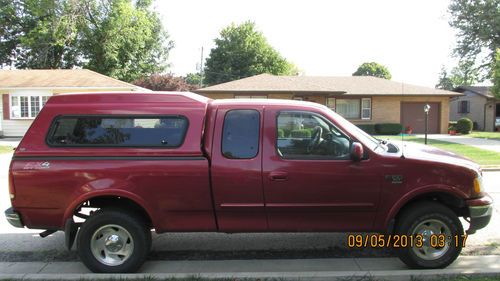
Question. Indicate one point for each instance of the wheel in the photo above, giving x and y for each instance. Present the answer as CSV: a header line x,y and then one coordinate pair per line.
x,y
113,241
432,224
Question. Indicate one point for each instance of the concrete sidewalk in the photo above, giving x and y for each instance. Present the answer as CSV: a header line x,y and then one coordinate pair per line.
x,y
487,144
309,269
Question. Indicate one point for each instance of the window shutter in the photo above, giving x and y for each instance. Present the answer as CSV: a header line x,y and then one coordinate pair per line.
x,y
468,106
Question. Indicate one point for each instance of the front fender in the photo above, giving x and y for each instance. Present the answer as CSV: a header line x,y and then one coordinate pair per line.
x,y
418,192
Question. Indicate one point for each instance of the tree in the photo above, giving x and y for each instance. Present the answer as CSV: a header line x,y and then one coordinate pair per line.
x,y
164,82
496,75
373,69
242,51
124,41
193,79
39,33
464,74
445,81
120,38
478,25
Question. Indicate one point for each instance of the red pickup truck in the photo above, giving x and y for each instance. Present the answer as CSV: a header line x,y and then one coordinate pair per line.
x,y
108,168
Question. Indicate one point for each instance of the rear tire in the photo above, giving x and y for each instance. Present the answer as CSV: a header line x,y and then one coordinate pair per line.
x,y
432,221
113,241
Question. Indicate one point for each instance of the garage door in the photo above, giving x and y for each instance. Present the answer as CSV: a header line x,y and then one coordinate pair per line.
x,y
412,114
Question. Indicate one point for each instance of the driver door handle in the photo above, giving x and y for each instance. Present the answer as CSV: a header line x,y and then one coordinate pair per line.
x,y
278,176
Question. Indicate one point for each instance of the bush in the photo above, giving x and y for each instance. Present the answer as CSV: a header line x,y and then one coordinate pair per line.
x,y
388,128
452,125
368,128
464,125
281,133
304,133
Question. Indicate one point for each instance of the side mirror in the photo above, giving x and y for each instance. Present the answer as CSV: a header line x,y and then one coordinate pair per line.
x,y
356,151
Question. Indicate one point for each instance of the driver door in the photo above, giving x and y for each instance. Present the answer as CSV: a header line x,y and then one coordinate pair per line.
x,y
312,185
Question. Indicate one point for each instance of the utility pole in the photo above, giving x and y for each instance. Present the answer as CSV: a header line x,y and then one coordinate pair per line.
x,y
201,68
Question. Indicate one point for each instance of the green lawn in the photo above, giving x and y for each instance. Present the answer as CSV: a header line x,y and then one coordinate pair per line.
x,y
481,156
485,135
6,149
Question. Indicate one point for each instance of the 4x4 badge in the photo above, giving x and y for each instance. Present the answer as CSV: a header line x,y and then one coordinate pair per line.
x,y
395,179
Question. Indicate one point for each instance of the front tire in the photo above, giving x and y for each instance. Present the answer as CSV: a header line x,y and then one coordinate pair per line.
x,y
439,228
113,241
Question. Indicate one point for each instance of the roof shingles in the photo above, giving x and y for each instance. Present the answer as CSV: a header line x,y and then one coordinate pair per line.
x,y
59,78
351,85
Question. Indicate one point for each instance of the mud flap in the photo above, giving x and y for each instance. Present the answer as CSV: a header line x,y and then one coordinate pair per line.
x,y
70,230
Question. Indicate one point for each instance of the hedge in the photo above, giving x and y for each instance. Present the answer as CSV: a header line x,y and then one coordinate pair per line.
x,y
281,133
388,128
304,133
368,128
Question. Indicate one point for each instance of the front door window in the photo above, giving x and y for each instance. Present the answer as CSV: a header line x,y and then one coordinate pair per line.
x,y
303,135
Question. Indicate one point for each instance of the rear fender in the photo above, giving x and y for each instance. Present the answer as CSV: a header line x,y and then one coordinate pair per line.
x,y
106,187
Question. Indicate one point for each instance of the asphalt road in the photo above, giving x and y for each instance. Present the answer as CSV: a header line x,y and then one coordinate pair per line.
x,y
24,244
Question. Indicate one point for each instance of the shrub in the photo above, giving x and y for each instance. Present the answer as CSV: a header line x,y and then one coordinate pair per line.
x,y
452,125
303,133
281,133
368,128
388,128
464,125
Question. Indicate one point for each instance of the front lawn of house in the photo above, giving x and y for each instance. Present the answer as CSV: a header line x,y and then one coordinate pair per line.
x,y
485,135
6,149
481,156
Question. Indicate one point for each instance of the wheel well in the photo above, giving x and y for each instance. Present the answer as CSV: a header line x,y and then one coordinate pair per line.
x,y
115,202
456,204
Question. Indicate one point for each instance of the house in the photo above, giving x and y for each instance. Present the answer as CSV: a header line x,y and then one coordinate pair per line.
x,y
360,99
25,92
478,104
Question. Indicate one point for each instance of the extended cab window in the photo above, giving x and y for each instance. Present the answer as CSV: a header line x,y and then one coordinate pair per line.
x,y
240,135
167,131
303,135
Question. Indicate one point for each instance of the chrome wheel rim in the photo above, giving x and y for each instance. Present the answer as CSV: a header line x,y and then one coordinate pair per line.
x,y
428,229
112,245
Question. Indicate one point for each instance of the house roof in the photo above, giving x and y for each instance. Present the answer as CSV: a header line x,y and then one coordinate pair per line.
x,y
59,78
484,91
350,85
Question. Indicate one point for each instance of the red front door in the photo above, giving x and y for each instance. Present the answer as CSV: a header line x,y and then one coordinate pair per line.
x,y
310,182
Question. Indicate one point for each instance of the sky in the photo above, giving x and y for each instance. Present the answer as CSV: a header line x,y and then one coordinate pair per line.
x,y
323,38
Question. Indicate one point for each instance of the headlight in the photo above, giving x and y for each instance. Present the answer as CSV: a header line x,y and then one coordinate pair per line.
x,y
478,184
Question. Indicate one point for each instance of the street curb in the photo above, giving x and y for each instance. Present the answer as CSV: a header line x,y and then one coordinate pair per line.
x,y
490,169
433,274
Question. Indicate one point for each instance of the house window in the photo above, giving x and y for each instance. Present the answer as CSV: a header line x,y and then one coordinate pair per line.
x,y
26,106
330,103
250,97
349,108
366,109
464,106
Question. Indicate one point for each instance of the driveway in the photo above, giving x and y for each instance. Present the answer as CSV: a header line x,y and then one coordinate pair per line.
x,y
486,144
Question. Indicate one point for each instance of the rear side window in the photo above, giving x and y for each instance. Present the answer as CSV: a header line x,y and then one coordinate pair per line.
x,y
240,135
165,131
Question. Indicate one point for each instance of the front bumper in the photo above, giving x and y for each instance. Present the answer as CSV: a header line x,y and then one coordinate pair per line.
x,y
480,211
13,218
